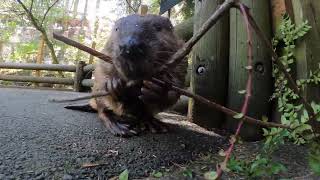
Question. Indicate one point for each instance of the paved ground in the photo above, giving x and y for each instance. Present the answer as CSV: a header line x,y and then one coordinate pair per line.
x,y
41,140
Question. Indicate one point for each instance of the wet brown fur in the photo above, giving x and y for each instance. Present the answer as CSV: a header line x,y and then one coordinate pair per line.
x,y
163,44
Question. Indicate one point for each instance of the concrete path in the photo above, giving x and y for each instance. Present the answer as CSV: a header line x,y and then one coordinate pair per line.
x,y
41,140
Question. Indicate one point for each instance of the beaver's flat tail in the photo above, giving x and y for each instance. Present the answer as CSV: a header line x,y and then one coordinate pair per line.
x,y
82,107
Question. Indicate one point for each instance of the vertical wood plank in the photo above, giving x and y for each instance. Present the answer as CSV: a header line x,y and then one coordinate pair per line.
x,y
308,50
279,8
209,67
79,76
262,79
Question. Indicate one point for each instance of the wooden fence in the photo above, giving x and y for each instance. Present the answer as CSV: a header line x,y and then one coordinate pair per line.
x,y
78,81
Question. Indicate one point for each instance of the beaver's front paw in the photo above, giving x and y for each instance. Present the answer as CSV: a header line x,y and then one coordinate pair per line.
x,y
118,125
152,93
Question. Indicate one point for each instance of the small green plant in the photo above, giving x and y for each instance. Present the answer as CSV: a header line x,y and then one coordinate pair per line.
x,y
124,175
293,112
261,166
157,174
211,175
188,173
314,158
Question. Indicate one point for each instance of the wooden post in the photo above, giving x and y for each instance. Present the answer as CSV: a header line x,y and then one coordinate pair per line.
x,y
262,79
308,50
209,67
79,76
40,57
279,8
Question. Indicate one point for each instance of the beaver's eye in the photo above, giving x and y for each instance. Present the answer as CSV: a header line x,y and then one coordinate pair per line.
x,y
117,29
157,27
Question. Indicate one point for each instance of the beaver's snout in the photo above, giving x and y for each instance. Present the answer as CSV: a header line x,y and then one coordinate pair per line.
x,y
132,48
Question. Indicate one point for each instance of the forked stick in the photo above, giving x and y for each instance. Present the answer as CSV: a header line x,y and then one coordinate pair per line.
x,y
201,99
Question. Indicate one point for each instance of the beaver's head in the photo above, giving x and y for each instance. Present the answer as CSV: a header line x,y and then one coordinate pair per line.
x,y
139,45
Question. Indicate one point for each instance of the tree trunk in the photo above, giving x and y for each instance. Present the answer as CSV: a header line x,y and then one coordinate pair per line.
x,y
95,31
40,56
75,8
1,51
82,31
64,24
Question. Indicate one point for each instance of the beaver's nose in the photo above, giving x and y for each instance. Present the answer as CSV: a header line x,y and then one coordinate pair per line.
x,y
132,48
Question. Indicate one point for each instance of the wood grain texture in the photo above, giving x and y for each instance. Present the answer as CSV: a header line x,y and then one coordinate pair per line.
x,y
262,80
308,50
210,56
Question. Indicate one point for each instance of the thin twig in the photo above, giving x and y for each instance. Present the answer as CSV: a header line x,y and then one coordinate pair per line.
x,y
245,105
83,47
31,7
46,13
93,165
132,8
186,49
95,95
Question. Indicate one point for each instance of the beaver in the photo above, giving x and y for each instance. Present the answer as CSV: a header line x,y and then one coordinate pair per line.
x,y
139,46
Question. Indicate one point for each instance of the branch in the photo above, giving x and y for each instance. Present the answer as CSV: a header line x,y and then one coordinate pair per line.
x,y
31,7
217,106
46,13
95,95
133,9
31,17
183,52
244,108
83,47
23,6
201,99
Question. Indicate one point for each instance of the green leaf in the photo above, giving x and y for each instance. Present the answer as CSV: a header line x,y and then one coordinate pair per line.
x,y
124,175
238,116
249,67
157,175
314,158
303,128
211,175
265,132
264,119
188,173
242,91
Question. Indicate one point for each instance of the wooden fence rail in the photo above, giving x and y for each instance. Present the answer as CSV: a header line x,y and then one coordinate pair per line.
x,y
50,80
32,66
78,81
